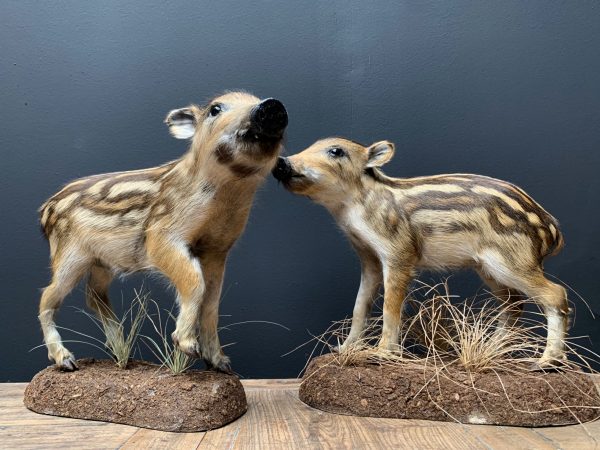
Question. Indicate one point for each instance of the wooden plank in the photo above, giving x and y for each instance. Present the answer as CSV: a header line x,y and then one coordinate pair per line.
x,y
397,433
276,418
575,436
65,435
285,383
21,428
511,437
263,418
160,440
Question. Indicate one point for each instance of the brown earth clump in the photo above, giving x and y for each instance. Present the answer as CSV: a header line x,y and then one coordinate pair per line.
x,y
143,395
408,391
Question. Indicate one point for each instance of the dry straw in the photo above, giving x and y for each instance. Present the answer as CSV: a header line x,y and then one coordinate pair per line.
x,y
115,345
162,347
443,332
120,345
441,335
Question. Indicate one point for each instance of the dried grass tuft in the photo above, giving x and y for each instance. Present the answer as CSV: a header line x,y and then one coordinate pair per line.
x,y
115,345
443,335
121,347
162,348
442,332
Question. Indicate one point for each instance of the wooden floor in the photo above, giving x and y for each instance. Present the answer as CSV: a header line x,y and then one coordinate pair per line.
x,y
277,419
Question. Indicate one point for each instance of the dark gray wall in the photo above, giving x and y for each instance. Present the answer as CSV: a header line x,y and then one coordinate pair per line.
x,y
508,89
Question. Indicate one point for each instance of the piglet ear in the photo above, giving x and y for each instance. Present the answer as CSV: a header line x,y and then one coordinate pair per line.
x,y
181,122
379,153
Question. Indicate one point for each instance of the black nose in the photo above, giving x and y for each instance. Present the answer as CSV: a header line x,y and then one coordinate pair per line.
x,y
283,169
270,118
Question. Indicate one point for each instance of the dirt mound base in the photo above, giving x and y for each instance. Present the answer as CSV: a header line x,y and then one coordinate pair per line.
x,y
142,395
409,392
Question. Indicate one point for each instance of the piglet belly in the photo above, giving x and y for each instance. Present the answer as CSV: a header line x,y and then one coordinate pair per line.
x,y
444,251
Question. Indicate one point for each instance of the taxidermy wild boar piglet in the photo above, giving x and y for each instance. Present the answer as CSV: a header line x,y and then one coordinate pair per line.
x,y
399,225
179,219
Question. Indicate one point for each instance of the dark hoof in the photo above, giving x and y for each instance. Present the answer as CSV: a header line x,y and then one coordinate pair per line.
x,y
192,353
223,367
68,365
192,349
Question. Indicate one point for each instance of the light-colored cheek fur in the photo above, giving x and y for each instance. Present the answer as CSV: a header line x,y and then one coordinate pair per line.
x,y
399,226
179,219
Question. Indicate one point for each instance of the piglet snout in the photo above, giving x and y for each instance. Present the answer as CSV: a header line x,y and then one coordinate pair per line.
x,y
283,169
270,118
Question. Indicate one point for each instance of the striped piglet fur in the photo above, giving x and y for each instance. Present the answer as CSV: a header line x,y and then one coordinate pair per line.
x,y
401,225
179,219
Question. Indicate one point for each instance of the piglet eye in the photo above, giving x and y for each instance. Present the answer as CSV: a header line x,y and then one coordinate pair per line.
x,y
336,152
215,110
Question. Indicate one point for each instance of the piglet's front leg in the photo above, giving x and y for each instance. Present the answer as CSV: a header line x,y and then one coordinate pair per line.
x,y
396,281
184,271
370,281
214,269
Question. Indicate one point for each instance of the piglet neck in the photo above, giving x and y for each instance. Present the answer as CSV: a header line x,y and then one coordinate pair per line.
x,y
339,206
197,158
